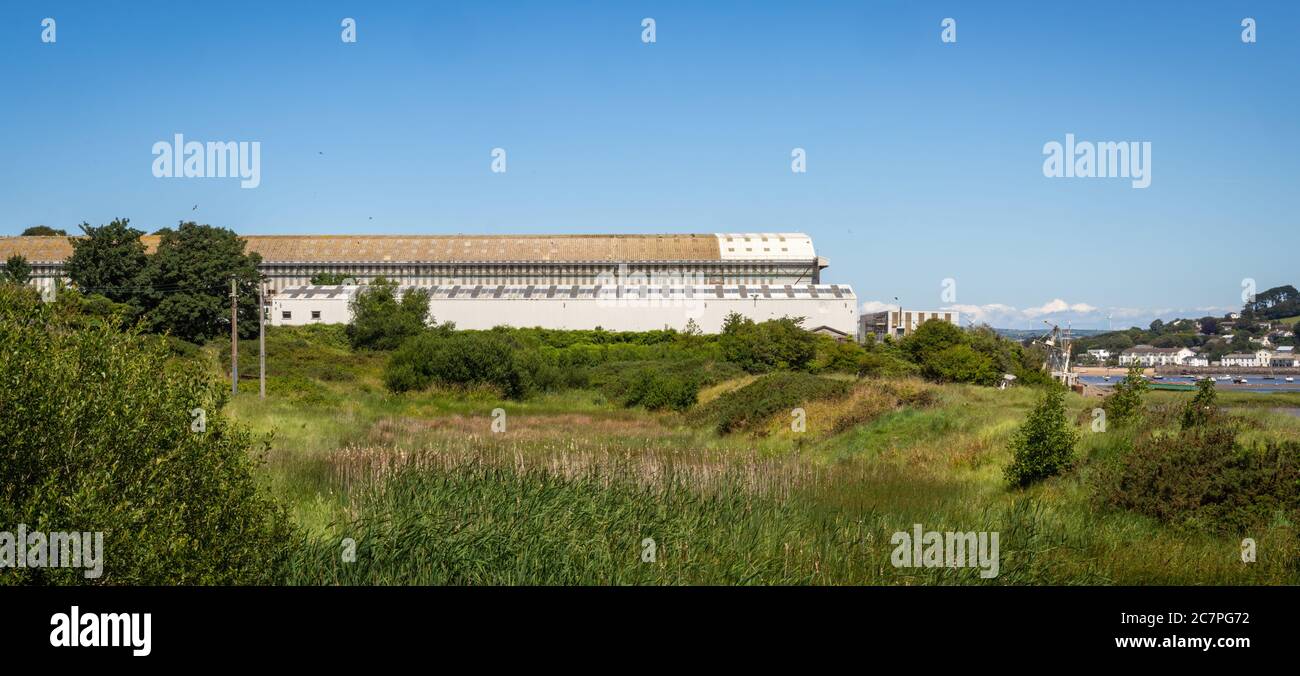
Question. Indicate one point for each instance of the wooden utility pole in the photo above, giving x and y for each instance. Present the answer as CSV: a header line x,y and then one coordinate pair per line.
x,y
234,340
261,338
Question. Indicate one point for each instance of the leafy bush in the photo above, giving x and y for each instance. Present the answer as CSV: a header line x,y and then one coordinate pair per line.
x,y
930,338
1044,445
776,344
1201,408
673,383
882,362
1124,406
749,407
382,322
655,391
467,358
1201,478
960,364
97,435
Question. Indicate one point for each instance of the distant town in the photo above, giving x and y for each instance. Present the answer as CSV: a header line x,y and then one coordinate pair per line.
x,y
1261,336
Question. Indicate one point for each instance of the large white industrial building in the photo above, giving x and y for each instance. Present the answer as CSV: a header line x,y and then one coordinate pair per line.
x,y
618,282
614,308
492,260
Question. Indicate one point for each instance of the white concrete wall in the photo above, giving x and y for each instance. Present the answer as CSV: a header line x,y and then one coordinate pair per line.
x,y
634,315
332,311
611,314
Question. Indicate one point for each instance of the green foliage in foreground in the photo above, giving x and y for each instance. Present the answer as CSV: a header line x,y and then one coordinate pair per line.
x,y
751,405
97,434
1044,444
483,524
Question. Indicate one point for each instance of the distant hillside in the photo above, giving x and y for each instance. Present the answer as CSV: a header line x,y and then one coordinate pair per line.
x,y
1214,336
1024,334
1277,303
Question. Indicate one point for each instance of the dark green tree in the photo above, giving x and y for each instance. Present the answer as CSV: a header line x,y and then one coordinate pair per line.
x,y
187,283
17,270
43,231
960,364
931,337
382,321
108,261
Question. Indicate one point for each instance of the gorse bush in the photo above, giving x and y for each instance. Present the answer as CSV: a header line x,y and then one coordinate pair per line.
x,y
1044,445
100,432
750,406
1201,478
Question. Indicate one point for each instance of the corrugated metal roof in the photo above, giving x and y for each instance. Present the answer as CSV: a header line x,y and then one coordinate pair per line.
x,y
428,248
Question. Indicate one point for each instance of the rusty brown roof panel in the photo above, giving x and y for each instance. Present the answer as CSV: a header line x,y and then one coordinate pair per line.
x,y
430,248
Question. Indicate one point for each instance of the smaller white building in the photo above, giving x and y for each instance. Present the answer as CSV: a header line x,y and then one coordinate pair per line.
x,y
1147,355
312,305
1100,354
1258,358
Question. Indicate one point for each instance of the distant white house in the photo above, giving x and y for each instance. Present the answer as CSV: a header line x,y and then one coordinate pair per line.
x,y
1100,354
1257,358
1154,356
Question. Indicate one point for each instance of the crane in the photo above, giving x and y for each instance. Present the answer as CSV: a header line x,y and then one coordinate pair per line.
x,y
1057,342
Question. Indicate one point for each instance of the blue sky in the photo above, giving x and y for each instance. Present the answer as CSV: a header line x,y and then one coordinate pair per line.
x,y
924,159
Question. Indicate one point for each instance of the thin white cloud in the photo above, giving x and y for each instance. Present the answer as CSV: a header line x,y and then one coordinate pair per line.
x,y
1078,314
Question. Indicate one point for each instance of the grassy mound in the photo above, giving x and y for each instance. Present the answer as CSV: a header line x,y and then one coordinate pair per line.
x,y
749,407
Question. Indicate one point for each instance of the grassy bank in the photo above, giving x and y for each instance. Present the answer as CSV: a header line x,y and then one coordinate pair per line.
x,y
575,483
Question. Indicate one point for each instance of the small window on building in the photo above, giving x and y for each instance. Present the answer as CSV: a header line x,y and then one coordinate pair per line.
x,y
286,315
315,314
